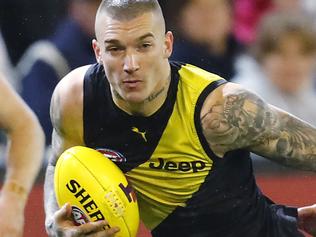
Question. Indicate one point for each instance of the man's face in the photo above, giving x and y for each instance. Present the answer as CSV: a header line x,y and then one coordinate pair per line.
x,y
206,21
134,54
291,66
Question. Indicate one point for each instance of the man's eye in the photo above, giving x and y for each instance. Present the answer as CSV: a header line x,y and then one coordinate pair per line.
x,y
146,45
113,49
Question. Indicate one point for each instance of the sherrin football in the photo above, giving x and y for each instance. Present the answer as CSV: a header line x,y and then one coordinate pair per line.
x,y
96,189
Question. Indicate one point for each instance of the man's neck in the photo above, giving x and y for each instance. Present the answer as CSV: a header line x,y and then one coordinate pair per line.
x,y
151,104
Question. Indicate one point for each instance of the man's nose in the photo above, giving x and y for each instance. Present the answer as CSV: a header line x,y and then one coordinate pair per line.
x,y
131,63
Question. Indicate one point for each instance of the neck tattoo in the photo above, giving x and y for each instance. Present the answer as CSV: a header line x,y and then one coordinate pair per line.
x,y
155,95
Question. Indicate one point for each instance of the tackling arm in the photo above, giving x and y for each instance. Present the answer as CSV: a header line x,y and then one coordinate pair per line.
x,y
25,150
26,142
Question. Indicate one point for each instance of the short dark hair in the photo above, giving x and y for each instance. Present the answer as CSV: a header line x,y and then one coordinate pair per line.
x,y
128,9
278,25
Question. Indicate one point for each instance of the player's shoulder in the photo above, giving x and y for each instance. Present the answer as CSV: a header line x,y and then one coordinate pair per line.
x,y
224,94
219,93
67,98
223,117
72,82
226,90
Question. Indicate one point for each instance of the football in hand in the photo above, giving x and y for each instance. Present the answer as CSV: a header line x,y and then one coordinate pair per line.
x,y
96,189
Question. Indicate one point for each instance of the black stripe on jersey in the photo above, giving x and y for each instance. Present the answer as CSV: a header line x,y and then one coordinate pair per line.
x,y
197,116
107,126
90,110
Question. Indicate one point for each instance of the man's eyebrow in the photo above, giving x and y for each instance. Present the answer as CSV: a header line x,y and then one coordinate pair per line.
x,y
146,35
115,41
111,41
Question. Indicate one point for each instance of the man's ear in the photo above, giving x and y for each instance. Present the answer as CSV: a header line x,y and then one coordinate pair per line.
x,y
97,50
168,44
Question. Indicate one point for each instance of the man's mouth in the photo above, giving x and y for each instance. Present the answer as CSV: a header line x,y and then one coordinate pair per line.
x,y
131,83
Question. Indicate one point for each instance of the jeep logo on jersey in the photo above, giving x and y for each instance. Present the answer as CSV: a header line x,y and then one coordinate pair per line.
x,y
183,166
114,156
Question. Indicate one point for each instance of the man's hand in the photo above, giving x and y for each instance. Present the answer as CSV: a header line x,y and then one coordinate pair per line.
x,y
11,215
63,225
307,219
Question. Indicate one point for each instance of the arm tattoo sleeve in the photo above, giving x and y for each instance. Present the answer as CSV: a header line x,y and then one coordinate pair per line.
x,y
242,120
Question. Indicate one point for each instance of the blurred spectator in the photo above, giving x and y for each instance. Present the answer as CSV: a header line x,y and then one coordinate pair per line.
x,y
284,69
204,35
310,7
24,21
47,61
288,5
248,13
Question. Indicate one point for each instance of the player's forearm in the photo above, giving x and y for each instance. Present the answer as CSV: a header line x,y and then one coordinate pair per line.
x,y
50,203
294,143
242,120
25,155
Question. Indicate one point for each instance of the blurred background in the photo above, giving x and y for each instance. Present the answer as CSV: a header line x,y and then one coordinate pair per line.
x,y
269,46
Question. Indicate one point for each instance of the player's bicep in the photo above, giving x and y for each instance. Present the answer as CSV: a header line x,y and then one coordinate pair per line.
x,y
236,119
67,130
57,134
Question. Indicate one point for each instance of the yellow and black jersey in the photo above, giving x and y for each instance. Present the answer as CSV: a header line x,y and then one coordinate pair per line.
x,y
183,188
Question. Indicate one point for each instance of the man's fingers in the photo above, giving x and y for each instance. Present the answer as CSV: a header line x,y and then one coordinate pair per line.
x,y
307,211
307,219
63,213
113,230
92,227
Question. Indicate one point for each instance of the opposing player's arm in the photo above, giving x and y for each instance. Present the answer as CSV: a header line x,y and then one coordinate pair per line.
x,y
24,155
234,118
66,117
26,141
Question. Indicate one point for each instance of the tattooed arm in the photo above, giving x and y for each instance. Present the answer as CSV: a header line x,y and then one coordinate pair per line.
x,y
234,118
65,113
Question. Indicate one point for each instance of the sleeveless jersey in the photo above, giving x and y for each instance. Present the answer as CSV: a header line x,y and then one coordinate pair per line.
x,y
183,188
